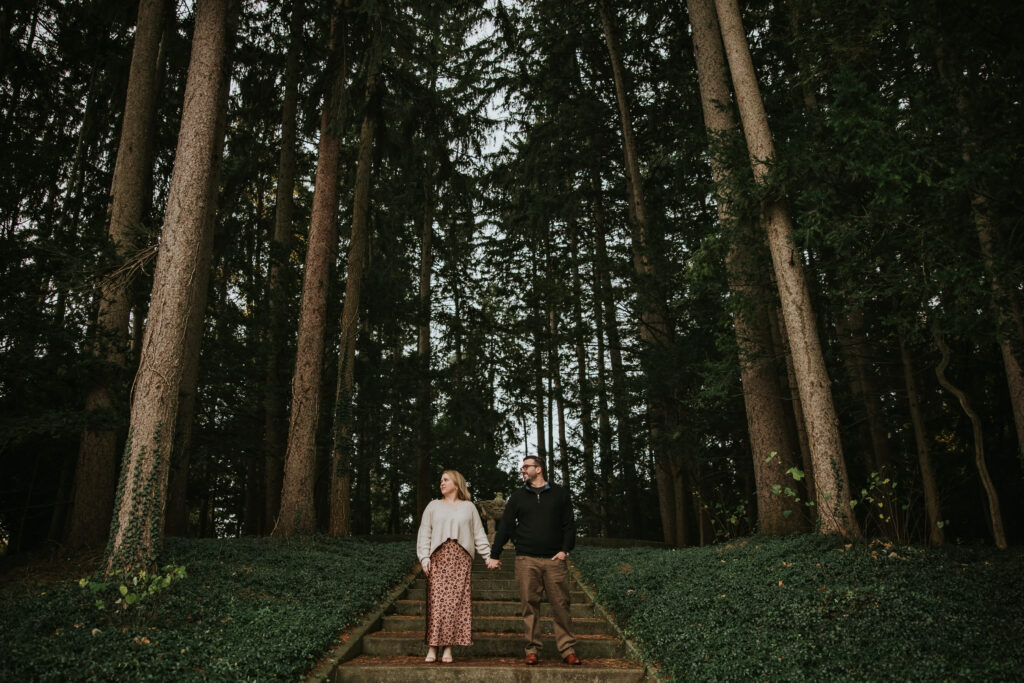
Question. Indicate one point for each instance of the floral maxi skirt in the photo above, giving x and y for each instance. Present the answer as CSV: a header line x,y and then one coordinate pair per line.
x,y
449,605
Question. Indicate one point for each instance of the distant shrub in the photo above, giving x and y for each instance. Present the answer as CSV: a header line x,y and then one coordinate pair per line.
x,y
252,609
815,608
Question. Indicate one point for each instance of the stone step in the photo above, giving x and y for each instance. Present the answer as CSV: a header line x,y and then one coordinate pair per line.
x,y
501,574
499,624
491,583
484,593
484,670
499,608
410,643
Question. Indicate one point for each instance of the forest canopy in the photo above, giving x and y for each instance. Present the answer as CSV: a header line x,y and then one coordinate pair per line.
x,y
271,267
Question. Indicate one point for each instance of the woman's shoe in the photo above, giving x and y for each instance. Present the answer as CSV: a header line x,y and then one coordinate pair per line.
x,y
431,656
447,658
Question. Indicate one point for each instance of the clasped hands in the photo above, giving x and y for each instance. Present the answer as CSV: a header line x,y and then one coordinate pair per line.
x,y
496,564
490,562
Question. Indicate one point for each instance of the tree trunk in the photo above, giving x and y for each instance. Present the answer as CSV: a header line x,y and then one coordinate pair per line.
x,y
995,515
137,532
274,390
551,428
176,523
855,356
365,450
538,379
1005,296
656,333
605,458
59,518
831,481
854,352
297,513
538,400
795,423
585,391
556,375
774,453
924,457
424,407
95,475
390,475
1010,323
341,456
620,392
606,463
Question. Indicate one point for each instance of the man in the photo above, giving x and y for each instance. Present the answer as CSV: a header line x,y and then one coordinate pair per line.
x,y
539,520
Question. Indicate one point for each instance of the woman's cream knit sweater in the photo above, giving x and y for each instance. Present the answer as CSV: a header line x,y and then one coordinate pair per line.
x,y
460,521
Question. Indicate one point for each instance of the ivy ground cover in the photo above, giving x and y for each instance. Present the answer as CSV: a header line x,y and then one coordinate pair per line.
x,y
817,608
250,609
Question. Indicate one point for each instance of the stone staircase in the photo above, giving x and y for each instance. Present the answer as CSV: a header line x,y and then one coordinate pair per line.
x,y
395,651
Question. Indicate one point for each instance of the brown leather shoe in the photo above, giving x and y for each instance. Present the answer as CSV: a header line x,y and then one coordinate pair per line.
x,y
532,658
571,658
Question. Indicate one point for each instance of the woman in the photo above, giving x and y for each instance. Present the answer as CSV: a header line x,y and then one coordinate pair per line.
x,y
449,532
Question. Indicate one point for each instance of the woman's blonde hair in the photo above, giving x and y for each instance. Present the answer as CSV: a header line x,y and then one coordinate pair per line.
x,y
461,491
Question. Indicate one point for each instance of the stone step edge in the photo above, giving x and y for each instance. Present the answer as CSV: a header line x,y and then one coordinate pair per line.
x,y
504,617
351,642
503,635
490,663
651,670
488,670
471,660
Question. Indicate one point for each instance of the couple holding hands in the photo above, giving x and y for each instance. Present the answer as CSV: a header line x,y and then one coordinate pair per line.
x,y
538,518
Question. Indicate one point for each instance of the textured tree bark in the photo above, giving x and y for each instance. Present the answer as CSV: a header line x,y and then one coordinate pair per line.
x,y
995,515
924,457
137,532
831,481
95,471
274,392
795,422
773,451
656,329
341,455
297,514
176,523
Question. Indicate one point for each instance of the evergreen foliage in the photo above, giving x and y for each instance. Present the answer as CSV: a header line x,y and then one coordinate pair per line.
x,y
249,609
814,608
893,123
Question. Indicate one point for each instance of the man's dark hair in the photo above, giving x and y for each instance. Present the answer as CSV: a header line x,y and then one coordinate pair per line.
x,y
536,461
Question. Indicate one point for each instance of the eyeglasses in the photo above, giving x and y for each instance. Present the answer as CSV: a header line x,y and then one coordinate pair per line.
x,y
526,467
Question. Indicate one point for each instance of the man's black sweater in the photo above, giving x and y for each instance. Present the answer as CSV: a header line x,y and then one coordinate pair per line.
x,y
539,522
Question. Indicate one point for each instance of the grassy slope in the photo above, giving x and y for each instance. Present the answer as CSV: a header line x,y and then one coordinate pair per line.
x,y
250,609
265,609
814,608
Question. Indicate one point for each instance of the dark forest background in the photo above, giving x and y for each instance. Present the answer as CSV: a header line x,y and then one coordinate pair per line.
x,y
516,280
